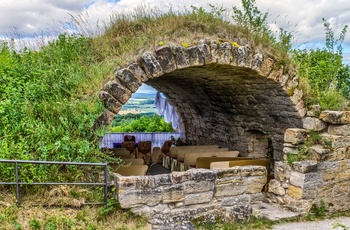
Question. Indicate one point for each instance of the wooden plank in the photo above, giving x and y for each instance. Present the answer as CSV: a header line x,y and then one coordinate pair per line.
x,y
226,164
190,158
132,170
204,162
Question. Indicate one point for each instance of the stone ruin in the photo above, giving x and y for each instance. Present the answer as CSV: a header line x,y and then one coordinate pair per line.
x,y
242,98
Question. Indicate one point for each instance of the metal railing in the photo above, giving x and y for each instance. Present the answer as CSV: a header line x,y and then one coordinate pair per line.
x,y
18,183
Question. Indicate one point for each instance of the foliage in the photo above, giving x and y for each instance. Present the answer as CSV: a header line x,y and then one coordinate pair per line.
x,y
179,141
140,123
303,150
323,70
48,104
317,211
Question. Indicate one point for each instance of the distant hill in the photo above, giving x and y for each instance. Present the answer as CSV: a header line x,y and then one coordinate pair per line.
x,y
144,95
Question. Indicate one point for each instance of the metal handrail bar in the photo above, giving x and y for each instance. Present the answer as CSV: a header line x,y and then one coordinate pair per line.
x,y
17,183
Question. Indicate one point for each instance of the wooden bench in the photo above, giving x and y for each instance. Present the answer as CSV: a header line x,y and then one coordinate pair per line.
x,y
191,157
228,164
170,161
131,161
204,162
130,156
181,154
174,150
132,170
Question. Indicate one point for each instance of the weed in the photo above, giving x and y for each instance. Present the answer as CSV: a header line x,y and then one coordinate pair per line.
x,y
34,224
340,225
318,211
111,207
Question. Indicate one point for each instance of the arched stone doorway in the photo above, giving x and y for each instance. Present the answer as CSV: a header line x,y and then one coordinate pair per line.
x,y
220,92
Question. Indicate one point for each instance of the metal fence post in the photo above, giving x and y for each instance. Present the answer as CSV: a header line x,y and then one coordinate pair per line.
x,y
106,183
17,185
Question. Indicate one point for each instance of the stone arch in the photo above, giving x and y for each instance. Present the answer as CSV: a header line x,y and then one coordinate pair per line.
x,y
219,90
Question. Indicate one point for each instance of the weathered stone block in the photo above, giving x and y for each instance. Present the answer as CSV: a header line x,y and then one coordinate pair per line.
x,y
257,61
305,166
151,65
238,213
295,136
320,152
213,45
173,194
297,95
337,141
337,155
341,189
105,119
340,130
267,66
295,192
252,171
243,58
315,124
138,71
126,182
314,111
276,188
224,53
297,205
335,117
282,171
257,197
305,180
202,175
128,79
179,177
256,184
204,50
109,102
166,59
139,197
198,186
231,187
198,198
290,150
196,56
162,179
118,91
234,200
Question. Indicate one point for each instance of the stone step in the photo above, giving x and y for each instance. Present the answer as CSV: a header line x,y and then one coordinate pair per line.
x,y
272,211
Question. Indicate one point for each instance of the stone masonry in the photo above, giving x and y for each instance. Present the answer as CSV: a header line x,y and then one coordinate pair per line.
x,y
221,92
172,201
303,184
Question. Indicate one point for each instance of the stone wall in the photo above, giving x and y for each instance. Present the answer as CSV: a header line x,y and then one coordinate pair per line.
x,y
220,90
325,174
179,197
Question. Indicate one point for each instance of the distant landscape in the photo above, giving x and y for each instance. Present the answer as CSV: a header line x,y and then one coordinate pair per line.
x,y
140,103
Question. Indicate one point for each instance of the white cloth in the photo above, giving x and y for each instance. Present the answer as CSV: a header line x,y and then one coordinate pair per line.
x,y
165,109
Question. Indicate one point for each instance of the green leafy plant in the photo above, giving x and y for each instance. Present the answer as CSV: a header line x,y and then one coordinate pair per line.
x,y
317,210
140,123
34,224
325,73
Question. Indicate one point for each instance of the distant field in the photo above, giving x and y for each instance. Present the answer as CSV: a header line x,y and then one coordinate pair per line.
x,y
138,105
